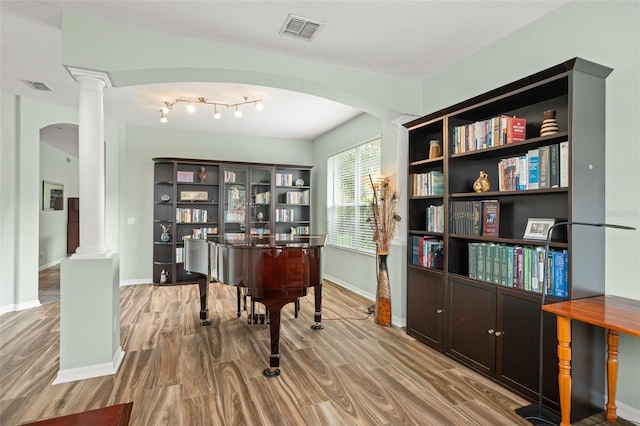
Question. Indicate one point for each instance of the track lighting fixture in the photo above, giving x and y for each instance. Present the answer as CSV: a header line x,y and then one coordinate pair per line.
x,y
191,106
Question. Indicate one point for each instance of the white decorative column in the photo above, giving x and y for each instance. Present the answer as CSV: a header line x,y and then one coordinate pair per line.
x,y
91,163
90,278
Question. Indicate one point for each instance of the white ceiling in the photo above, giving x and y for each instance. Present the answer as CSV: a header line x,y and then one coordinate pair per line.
x,y
408,39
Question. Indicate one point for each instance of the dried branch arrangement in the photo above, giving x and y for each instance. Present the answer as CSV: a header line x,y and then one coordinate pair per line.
x,y
384,207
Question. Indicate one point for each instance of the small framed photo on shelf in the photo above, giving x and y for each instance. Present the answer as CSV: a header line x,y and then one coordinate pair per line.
x,y
194,196
184,176
537,228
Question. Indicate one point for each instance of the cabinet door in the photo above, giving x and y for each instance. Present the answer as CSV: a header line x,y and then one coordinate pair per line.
x,y
517,346
425,306
471,338
260,200
234,207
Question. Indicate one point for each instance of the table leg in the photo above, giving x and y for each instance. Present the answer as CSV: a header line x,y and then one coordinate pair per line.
x,y
564,364
612,375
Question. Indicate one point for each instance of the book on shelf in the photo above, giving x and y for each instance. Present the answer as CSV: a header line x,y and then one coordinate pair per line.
x,y
564,164
473,260
497,264
519,267
471,217
297,197
495,131
559,282
425,184
427,251
263,197
490,218
532,160
185,215
284,179
435,218
554,166
516,129
543,167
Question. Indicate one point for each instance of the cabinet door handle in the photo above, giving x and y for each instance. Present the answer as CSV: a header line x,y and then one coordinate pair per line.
x,y
439,311
491,331
498,333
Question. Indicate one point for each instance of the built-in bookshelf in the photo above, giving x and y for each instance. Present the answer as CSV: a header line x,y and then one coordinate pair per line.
x,y
481,304
204,198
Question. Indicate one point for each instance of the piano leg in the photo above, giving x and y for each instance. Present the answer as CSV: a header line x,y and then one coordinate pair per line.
x,y
317,315
203,286
274,307
239,293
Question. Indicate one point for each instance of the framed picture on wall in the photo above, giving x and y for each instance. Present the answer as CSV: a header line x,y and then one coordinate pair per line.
x,y
52,196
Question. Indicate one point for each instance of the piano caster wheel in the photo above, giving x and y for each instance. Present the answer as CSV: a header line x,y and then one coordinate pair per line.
x,y
317,326
271,372
205,322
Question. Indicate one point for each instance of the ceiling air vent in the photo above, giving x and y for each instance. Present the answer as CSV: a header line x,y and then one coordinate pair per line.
x,y
297,26
36,85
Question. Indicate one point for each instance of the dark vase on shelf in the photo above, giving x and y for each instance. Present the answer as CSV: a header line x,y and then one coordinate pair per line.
x,y
383,293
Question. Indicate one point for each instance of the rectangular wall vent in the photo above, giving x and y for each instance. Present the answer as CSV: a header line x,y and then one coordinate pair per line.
x,y
299,27
36,85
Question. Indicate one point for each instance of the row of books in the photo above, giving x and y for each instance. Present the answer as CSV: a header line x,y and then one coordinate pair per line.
x,y
184,215
263,197
520,267
288,237
229,176
477,218
500,130
202,233
284,179
179,254
435,218
424,184
427,251
543,167
297,197
234,216
284,215
260,231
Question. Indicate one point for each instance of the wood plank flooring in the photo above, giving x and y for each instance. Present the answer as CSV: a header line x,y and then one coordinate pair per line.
x,y
179,373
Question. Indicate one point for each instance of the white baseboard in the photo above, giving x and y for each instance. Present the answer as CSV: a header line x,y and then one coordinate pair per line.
x,y
395,321
90,371
50,264
19,307
136,282
628,412
349,287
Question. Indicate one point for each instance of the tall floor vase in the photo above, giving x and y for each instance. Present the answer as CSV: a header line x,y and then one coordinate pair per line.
x,y
383,293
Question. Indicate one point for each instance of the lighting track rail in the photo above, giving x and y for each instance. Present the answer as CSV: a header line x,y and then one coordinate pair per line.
x,y
191,106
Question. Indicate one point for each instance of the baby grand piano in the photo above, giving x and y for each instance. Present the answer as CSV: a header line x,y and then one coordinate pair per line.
x,y
272,272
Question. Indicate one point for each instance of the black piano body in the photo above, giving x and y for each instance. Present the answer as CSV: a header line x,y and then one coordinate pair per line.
x,y
272,272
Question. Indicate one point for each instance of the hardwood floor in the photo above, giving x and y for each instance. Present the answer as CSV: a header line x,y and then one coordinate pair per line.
x,y
179,373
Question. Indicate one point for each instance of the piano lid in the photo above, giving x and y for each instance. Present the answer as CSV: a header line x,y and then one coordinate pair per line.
x,y
260,242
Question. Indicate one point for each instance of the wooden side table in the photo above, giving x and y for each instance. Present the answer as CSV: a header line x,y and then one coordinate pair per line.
x,y
616,314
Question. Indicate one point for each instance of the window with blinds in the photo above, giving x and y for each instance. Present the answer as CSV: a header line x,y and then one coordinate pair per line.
x,y
349,195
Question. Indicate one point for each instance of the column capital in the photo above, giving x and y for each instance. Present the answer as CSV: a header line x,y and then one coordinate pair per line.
x,y
77,73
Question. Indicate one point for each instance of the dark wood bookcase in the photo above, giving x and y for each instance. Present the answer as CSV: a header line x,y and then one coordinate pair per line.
x,y
231,198
494,328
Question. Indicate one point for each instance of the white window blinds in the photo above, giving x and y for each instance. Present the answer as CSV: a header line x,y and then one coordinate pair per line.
x,y
348,196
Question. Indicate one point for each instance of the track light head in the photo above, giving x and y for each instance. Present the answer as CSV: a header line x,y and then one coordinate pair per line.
x,y
238,113
191,108
259,105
